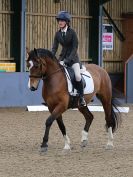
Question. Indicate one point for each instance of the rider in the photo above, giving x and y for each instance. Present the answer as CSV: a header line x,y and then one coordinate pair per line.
x,y
67,37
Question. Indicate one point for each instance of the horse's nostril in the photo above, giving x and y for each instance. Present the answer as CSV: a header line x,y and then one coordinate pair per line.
x,y
32,88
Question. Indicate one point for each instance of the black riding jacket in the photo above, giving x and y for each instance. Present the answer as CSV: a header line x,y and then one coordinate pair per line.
x,y
69,45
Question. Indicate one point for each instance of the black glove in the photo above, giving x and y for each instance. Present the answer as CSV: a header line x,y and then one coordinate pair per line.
x,y
67,62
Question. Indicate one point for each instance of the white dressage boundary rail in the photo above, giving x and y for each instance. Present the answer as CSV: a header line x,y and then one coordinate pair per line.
x,y
91,108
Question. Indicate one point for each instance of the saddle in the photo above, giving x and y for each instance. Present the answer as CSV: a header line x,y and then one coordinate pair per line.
x,y
71,76
71,81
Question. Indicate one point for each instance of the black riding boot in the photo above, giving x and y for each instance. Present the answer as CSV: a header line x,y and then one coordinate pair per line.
x,y
80,89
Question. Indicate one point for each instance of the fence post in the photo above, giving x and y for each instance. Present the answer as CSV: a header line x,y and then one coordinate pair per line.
x,y
129,80
23,36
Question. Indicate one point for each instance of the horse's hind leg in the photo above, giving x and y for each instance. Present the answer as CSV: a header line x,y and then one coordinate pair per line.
x,y
63,131
110,121
88,117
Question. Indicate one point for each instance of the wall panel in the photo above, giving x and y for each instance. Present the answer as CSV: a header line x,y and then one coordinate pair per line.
x,y
112,60
6,17
41,24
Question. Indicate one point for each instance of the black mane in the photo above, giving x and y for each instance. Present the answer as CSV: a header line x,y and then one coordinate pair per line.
x,y
45,53
41,53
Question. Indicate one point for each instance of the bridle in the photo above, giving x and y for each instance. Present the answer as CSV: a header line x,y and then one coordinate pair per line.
x,y
44,76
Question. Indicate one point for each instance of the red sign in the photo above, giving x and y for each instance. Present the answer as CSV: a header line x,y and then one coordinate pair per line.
x,y
107,38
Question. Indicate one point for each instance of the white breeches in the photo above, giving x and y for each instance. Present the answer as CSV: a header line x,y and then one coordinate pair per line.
x,y
76,68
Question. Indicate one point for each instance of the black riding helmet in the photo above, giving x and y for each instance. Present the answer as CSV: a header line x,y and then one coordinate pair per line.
x,y
63,15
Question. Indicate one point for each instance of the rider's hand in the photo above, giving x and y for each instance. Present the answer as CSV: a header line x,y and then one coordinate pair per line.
x,y
67,62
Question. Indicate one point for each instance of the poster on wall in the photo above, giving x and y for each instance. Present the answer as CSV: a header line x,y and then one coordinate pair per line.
x,y
107,37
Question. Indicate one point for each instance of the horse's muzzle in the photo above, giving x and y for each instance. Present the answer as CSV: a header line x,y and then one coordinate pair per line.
x,y
33,88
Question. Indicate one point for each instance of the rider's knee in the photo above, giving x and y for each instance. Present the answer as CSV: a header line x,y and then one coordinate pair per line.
x,y
78,77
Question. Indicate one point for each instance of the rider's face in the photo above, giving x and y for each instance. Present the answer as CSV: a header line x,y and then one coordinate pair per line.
x,y
62,24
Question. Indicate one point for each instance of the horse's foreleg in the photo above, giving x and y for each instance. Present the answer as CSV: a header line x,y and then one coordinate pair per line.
x,y
63,130
88,117
48,124
55,113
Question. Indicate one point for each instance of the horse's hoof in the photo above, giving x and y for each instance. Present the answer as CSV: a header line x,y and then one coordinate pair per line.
x,y
43,149
66,151
84,143
67,147
109,146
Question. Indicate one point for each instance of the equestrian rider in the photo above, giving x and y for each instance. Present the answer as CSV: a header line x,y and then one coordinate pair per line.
x,y
67,37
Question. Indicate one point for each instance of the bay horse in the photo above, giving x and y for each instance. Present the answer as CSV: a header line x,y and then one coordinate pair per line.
x,y
43,65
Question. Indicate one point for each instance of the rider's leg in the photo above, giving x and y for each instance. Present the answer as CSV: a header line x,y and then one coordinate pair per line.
x,y
76,68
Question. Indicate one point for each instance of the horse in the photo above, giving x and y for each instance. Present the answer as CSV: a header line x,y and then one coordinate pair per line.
x,y
43,65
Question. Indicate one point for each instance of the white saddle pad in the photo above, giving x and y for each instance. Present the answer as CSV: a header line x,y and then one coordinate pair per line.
x,y
88,79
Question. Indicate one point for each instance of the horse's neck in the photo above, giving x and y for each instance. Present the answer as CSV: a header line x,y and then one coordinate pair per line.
x,y
52,66
54,72
55,78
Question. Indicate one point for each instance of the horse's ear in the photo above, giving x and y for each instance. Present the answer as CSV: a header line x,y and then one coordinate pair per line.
x,y
36,53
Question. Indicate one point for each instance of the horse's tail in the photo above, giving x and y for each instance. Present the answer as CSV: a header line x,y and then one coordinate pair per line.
x,y
115,114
